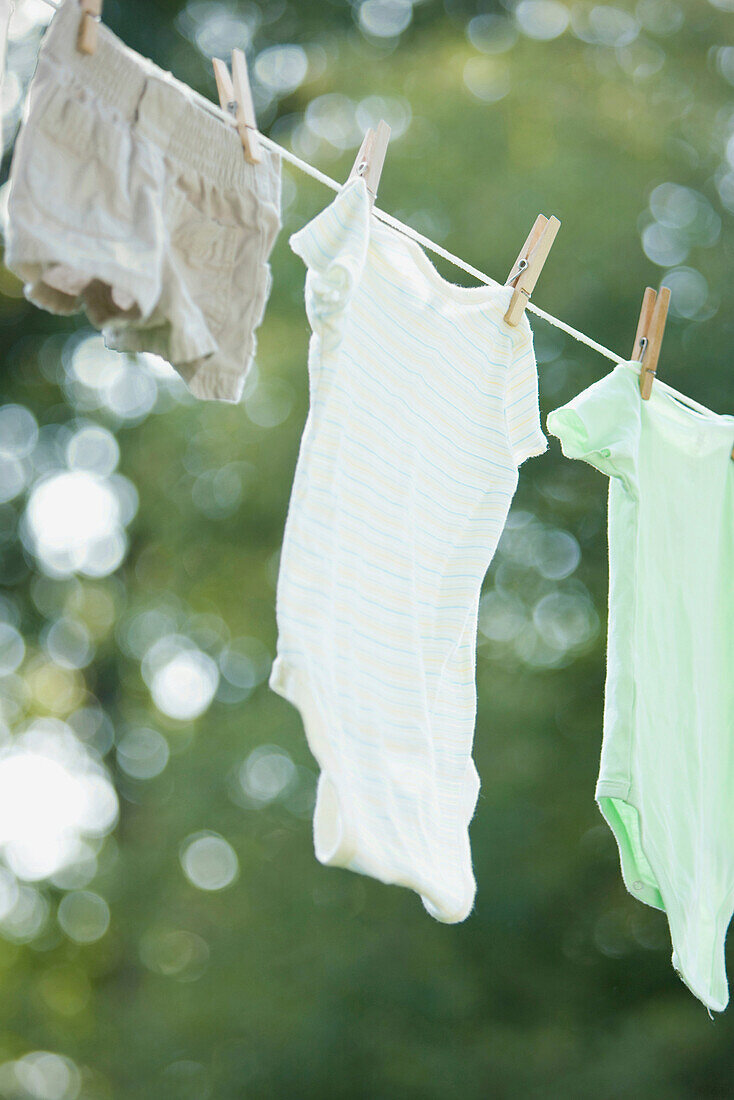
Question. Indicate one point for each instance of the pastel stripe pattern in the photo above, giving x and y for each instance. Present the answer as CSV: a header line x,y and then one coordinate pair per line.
x,y
423,403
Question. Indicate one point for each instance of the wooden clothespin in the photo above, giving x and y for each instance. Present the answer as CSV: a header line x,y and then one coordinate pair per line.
x,y
371,158
235,97
88,26
529,264
649,336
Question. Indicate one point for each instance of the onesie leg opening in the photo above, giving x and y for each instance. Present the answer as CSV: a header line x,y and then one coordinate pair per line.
x,y
332,834
639,878
697,928
103,288
329,837
454,906
446,914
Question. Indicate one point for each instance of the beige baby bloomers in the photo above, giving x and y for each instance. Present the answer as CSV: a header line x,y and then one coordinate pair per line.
x,y
131,199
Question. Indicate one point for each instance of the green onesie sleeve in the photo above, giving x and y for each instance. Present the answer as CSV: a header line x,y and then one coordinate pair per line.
x,y
602,426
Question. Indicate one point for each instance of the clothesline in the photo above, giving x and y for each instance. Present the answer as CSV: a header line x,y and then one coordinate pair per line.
x,y
426,242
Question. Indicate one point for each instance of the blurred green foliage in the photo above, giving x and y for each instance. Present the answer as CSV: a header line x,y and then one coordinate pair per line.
x,y
198,950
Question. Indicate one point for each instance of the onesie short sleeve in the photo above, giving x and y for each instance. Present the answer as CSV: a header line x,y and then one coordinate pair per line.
x,y
522,414
334,248
602,425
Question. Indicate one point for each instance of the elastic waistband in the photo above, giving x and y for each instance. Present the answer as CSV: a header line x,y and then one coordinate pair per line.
x,y
184,125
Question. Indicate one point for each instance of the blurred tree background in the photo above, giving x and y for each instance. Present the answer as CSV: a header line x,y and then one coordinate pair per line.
x,y
165,931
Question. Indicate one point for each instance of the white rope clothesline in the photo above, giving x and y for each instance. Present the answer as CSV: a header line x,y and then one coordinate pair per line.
x,y
408,231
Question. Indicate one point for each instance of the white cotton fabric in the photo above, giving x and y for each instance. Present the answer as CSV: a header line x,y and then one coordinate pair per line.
x,y
7,8
423,404
132,200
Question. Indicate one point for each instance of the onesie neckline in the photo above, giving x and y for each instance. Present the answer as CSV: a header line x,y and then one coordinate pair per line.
x,y
484,293
686,412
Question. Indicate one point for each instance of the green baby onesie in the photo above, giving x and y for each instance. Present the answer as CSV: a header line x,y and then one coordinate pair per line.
x,y
666,782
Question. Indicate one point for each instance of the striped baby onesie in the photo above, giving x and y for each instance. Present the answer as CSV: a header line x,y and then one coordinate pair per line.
x,y
423,403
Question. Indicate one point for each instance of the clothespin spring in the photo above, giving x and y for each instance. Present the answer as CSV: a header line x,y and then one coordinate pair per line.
x,y
371,157
649,336
528,265
235,97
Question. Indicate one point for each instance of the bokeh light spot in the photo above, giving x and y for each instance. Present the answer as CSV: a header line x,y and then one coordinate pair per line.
x,y
281,69
93,448
267,773
492,33
542,19
83,916
12,649
501,616
68,644
385,18
182,678
487,78
42,1075
174,953
209,862
52,793
75,524
689,292
18,431
143,753
565,620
